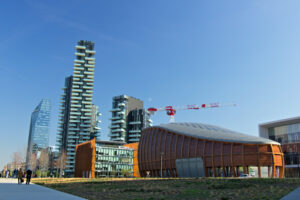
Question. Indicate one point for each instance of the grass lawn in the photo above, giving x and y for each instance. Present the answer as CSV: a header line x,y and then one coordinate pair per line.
x,y
253,188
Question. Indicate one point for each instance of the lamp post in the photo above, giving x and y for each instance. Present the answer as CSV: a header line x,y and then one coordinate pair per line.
x,y
161,156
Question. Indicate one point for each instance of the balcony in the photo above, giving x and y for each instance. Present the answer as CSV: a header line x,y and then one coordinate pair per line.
x,y
135,135
79,54
80,47
73,117
121,112
91,62
136,122
79,61
74,121
77,65
121,104
92,73
79,68
89,91
134,131
76,72
78,75
87,87
75,113
89,110
118,122
84,125
73,137
86,102
87,95
89,51
77,98
91,69
76,90
88,65
78,83
88,80
117,130
75,86
134,139
74,129
75,106
89,58
75,94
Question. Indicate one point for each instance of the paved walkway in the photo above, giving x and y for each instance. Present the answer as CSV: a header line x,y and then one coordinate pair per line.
x,y
10,190
294,195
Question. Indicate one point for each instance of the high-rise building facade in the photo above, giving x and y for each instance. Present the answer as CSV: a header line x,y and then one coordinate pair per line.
x,y
39,129
128,119
77,112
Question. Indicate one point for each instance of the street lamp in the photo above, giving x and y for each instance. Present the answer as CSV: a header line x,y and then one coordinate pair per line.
x,y
161,156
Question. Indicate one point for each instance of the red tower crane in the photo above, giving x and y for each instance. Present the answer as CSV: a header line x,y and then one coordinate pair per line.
x,y
171,111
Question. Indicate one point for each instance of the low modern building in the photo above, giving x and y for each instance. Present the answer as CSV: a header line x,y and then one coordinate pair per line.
x,y
287,133
103,159
201,150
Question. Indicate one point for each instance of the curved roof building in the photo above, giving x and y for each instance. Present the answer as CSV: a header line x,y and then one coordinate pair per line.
x,y
201,150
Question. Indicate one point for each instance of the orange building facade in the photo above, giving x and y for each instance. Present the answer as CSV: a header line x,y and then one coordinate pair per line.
x,y
136,171
172,149
85,159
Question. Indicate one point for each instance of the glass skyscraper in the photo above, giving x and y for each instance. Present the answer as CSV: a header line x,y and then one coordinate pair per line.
x,y
39,129
78,121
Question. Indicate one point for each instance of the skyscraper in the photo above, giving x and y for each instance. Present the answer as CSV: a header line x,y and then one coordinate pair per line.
x,y
128,119
76,116
39,129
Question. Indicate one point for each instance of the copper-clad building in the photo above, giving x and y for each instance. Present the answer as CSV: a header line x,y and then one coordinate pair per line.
x,y
201,150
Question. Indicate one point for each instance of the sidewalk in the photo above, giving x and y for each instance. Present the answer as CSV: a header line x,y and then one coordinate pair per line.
x,y
10,190
294,195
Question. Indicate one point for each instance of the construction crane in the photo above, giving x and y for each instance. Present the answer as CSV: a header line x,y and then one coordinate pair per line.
x,y
171,111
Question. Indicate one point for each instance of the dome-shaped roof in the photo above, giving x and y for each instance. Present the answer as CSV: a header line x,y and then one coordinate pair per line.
x,y
215,133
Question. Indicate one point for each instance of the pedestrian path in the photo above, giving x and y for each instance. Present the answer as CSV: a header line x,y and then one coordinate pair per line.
x,y
10,190
294,195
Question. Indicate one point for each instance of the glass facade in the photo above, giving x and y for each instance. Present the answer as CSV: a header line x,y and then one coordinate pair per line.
x,y
285,134
289,137
39,129
113,161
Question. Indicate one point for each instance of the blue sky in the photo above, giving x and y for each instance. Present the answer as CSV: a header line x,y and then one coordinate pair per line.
x,y
163,52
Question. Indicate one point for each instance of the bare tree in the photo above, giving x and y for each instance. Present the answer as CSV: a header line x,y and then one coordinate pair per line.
x,y
33,161
18,160
61,163
44,160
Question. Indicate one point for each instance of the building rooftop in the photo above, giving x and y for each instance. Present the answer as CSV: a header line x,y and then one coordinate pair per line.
x,y
281,122
215,133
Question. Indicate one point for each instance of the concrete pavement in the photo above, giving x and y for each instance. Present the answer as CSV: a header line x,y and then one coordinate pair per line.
x,y
10,190
294,195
